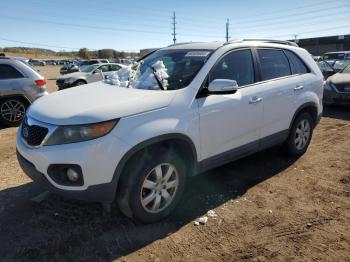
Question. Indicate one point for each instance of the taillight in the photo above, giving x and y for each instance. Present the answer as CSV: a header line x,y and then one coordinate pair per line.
x,y
40,82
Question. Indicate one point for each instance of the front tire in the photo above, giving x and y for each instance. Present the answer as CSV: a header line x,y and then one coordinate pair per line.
x,y
12,111
152,185
300,135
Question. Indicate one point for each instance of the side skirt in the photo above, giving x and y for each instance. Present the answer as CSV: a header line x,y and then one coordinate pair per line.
x,y
242,151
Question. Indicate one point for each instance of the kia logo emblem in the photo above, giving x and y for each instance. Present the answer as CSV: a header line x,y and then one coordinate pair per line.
x,y
25,132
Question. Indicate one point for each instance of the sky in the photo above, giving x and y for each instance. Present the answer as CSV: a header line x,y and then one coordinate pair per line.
x,y
131,25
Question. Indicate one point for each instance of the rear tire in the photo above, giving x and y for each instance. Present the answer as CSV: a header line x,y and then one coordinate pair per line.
x,y
151,185
12,111
300,135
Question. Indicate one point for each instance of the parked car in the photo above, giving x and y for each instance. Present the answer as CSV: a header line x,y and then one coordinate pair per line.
x,y
339,55
93,61
87,74
337,88
68,68
326,69
20,85
37,62
212,104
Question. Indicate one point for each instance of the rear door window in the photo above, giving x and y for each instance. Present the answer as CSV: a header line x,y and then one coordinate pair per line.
x,y
297,66
114,67
273,64
9,72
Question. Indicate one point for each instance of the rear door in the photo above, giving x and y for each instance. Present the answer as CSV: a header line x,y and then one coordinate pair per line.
x,y
10,79
278,85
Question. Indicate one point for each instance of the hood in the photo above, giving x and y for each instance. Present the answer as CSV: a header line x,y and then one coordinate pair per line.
x,y
73,75
96,102
339,78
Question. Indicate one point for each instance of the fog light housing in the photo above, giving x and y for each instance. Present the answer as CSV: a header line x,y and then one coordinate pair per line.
x,y
72,175
66,174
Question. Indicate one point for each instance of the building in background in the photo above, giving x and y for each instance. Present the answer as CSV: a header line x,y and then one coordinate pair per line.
x,y
320,45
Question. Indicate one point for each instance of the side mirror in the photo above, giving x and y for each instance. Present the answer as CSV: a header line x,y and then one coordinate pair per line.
x,y
218,86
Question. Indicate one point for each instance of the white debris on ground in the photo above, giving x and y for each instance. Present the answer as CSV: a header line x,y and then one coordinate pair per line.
x,y
147,80
204,219
211,213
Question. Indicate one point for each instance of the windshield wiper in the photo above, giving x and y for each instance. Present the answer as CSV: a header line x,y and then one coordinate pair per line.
x,y
160,84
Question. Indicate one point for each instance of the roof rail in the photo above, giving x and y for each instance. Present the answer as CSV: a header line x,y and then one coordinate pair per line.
x,y
183,43
272,41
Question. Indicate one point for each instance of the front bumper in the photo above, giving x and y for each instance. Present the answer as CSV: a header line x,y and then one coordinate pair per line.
x,y
336,98
97,193
97,158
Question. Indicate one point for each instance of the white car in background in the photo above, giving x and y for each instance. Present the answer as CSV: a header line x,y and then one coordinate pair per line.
x,y
212,104
88,74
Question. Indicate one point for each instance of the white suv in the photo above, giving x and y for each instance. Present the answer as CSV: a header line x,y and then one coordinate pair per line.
x,y
215,103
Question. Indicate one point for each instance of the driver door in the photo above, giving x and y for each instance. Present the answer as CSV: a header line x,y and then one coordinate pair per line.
x,y
230,123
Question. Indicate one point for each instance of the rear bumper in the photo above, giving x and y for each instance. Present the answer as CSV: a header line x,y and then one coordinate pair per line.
x,y
62,85
96,193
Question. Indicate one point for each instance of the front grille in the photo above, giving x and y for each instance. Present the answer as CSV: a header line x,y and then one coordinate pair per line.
x,y
344,88
33,135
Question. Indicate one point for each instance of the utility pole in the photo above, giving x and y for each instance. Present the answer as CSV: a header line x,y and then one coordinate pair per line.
x,y
174,28
295,38
227,29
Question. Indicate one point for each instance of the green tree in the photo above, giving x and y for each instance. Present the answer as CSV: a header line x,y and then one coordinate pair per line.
x,y
84,53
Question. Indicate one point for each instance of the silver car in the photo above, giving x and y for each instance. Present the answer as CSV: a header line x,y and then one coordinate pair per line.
x,y
20,85
88,74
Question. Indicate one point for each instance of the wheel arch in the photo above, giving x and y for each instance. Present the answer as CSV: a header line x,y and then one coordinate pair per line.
x,y
20,96
309,107
180,142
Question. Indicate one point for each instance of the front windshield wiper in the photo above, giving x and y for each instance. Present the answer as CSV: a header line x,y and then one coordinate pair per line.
x,y
160,84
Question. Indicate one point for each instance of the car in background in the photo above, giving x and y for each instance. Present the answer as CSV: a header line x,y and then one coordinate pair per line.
x,y
37,62
88,74
326,69
20,86
76,65
340,65
337,88
332,57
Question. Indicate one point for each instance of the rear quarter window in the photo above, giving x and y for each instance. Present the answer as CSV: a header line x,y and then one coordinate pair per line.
x,y
297,65
9,72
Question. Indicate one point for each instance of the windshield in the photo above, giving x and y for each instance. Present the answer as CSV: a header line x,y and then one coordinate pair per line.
x,y
346,70
87,69
334,56
339,65
168,69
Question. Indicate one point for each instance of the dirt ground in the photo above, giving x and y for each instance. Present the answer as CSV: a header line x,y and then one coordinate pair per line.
x,y
269,206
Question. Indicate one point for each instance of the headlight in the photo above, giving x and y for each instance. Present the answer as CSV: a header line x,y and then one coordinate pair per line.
x,y
79,133
329,86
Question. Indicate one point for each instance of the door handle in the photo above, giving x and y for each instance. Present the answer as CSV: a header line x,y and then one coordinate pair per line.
x,y
255,99
298,87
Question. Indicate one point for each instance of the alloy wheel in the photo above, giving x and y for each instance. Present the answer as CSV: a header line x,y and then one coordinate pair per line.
x,y
12,110
159,188
302,134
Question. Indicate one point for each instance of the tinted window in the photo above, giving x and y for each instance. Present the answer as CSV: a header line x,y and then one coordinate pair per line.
x,y
298,67
8,72
114,67
273,64
237,66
